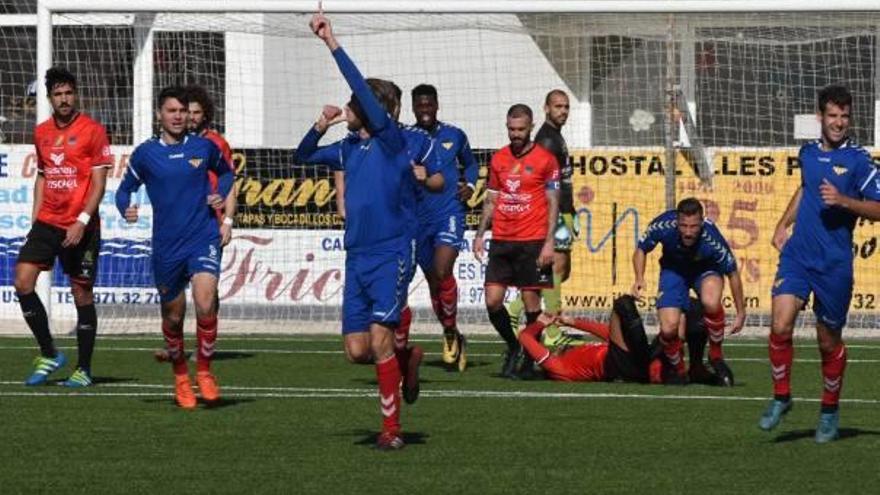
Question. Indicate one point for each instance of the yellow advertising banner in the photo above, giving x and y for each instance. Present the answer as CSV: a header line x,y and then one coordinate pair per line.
x,y
618,192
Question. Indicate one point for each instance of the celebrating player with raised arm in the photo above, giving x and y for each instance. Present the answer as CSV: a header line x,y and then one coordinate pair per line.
x,y
380,196
695,256
839,183
73,156
186,237
441,218
521,204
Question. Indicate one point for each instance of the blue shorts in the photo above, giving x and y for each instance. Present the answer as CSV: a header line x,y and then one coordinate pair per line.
x,y
446,231
376,286
171,276
831,289
674,288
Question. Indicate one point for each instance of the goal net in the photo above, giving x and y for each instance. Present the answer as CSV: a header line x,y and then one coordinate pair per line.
x,y
729,97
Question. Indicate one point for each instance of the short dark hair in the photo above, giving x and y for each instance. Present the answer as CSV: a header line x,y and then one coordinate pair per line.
x,y
689,206
520,110
176,92
424,90
198,94
59,75
386,92
836,94
554,92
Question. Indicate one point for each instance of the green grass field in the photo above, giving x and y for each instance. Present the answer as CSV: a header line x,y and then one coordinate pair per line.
x,y
298,419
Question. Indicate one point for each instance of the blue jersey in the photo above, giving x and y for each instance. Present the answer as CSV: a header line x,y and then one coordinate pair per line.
x,y
822,235
176,178
709,253
452,150
380,192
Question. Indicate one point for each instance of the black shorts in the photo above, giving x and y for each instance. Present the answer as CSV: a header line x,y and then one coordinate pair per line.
x,y
631,365
515,264
43,245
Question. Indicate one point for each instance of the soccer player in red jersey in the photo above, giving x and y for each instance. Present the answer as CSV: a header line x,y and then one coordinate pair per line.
x,y
623,354
73,155
522,205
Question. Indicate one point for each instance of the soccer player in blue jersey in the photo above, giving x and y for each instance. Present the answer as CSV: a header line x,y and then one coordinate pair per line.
x,y
839,183
695,256
186,238
380,197
441,218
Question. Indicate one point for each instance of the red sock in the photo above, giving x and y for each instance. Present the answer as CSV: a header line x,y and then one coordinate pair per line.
x,y
388,375
833,366
206,335
673,351
781,355
401,338
715,327
435,303
448,302
174,346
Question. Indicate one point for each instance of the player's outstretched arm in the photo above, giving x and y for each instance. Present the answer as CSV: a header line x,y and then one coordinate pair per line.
x,y
736,289
308,151
485,222
600,330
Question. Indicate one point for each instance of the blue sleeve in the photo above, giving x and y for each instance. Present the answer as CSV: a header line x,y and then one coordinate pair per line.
x,y
309,153
378,122
654,233
721,253
218,165
867,178
131,182
468,160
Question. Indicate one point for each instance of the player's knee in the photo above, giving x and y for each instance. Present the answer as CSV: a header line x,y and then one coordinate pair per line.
x,y
82,293
781,326
24,282
711,306
174,322
358,354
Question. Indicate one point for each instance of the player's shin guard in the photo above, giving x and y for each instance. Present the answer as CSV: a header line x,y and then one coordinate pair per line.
x,y
388,376
86,329
715,328
833,366
781,351
174,346
401,338
501,321
35,315
672,349
206,337
448,298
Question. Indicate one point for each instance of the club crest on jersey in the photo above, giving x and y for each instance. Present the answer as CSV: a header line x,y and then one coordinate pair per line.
x,y
71,140
512,185
195,162
447,145
529,170
839,169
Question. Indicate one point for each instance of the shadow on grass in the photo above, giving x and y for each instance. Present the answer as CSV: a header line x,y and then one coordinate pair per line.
x,y
453,368
791,436
368,438
227,355
221,403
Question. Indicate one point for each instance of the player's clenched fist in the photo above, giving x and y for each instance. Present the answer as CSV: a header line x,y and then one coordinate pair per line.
x,y
419,171
131,214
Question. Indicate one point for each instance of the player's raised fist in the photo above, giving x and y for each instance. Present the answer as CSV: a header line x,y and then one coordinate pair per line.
x,y
131,214
331,113
320,25
420,172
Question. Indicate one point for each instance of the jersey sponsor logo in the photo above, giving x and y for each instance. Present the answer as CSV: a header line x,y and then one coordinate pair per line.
x,y
57,158
175,156
824,159
512,185
447,145
195,162
839,169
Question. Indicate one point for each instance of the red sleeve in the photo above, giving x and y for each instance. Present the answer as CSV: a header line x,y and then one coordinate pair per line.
x,y
100,147
494,181
552,172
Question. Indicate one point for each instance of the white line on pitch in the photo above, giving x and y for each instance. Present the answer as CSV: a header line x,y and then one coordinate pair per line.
x,y
294,392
